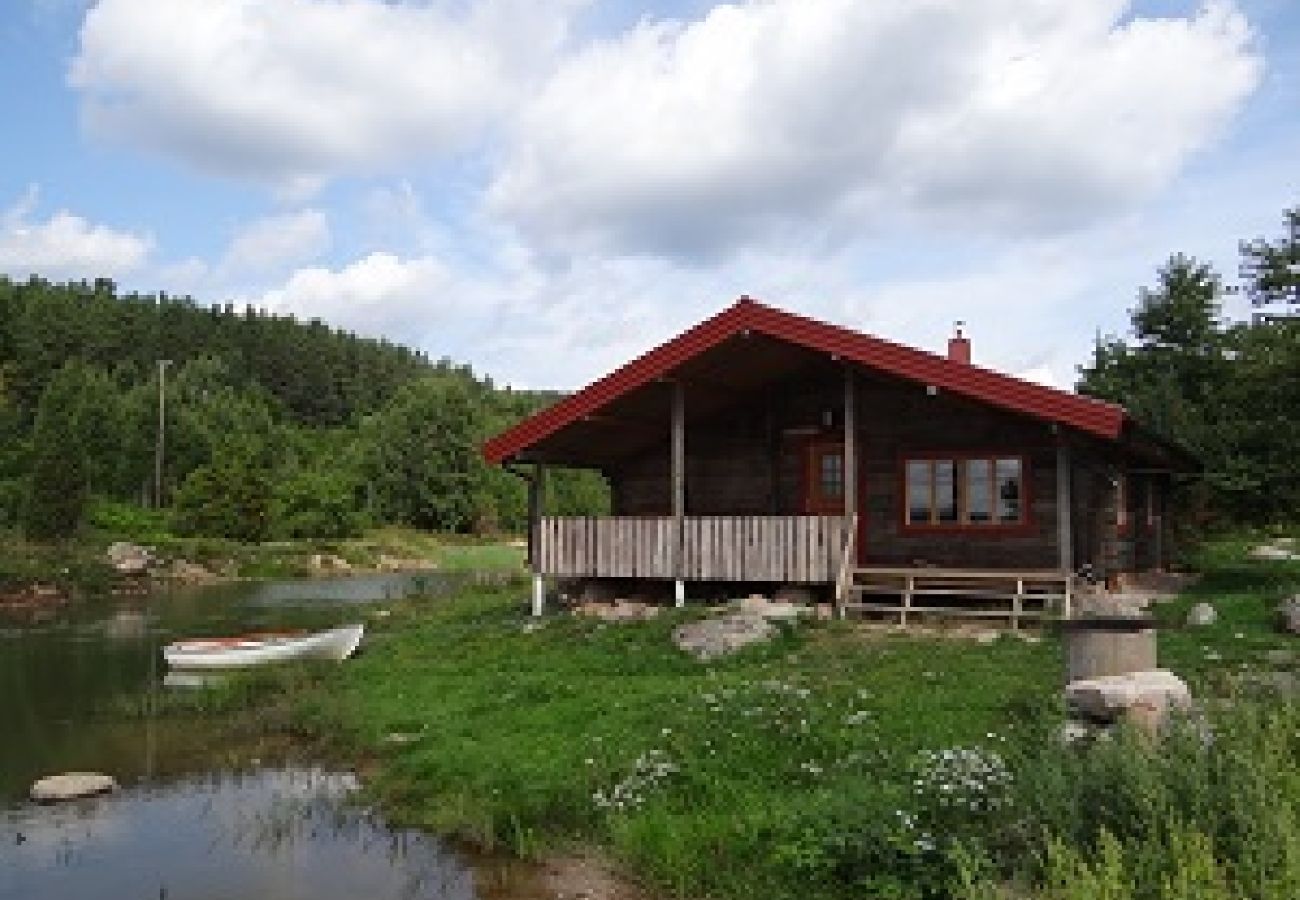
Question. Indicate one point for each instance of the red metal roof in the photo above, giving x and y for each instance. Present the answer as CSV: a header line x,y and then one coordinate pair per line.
x,y
1095,417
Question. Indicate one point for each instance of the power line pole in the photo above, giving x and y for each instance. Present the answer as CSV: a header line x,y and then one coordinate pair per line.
x,y
162,428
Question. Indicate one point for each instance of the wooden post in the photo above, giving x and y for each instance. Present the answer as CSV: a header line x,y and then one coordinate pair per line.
x,y
850,468
1064,507
536,500
679,491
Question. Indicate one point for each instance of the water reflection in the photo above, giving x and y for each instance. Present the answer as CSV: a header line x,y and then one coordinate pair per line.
x,y
284,834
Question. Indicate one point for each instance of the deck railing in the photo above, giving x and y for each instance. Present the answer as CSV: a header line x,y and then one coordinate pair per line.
x,y
796,549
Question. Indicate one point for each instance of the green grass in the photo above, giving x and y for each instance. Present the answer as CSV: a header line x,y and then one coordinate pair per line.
x,y
813,766
705,778
1245,594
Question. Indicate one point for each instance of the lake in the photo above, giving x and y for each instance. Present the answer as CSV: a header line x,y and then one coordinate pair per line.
x,y
197,818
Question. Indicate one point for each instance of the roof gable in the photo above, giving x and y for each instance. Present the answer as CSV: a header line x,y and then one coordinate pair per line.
x,y
1095,417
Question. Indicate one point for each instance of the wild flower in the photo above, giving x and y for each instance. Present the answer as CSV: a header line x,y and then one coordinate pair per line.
x,y
649,771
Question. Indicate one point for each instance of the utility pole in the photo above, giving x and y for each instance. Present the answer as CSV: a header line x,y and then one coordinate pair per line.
x,y
162,428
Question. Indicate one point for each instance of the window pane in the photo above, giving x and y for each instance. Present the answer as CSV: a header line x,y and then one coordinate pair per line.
x,y
979,490
832,475
1009,490
918,491
945,490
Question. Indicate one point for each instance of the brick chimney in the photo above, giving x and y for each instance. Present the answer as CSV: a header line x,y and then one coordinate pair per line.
x,y
959,346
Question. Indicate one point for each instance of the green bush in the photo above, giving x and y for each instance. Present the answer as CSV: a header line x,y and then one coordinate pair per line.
x,y
129,521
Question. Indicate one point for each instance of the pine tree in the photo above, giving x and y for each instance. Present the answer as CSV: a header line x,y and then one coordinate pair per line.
x,y
56,496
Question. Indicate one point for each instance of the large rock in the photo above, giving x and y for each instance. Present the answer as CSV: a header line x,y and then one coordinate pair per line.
x,y
129,559
1201,614
1146,697
71,786
712,638
1288,615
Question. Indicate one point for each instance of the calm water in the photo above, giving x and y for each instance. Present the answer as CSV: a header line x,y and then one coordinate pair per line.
x,y
195,819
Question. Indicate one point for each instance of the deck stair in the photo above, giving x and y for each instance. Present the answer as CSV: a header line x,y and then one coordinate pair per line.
x,y
906,592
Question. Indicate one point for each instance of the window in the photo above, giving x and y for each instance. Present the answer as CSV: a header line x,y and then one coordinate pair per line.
x,y
975,491
830,480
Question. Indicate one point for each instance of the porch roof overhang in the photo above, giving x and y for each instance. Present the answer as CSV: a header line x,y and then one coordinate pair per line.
x,y
744,349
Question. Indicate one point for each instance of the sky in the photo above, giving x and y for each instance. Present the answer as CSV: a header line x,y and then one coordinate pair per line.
x,y
547,188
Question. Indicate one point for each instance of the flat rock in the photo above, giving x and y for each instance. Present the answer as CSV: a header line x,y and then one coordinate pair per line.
x,y
712,638
1148,696
1288,615
758,605
1202,614
618,611
1272,553
71,786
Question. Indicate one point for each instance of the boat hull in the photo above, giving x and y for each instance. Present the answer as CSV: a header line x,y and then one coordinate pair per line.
x,y
337,644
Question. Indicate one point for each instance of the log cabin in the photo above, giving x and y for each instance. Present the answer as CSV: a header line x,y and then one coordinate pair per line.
x,y
767,450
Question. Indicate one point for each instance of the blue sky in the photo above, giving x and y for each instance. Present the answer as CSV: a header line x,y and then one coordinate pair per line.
x,y
544,188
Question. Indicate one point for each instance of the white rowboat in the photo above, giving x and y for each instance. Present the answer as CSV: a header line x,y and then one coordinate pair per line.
x,y
258,649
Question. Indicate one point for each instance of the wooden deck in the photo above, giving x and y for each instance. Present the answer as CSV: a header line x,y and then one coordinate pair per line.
x,y
1013,595
785,549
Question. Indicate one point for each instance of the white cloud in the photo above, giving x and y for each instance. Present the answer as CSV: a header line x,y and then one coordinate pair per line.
x,y
772,117
65,245
297,90
378,295
267,244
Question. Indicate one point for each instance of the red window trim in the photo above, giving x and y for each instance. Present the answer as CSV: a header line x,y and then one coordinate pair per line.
x,y
1026,525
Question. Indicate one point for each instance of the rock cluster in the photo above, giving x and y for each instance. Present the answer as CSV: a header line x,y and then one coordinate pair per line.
x,y
617,611
1280,550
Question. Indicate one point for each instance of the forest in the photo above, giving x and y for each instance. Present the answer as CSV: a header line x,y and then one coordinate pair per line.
x,y
278,429
275,428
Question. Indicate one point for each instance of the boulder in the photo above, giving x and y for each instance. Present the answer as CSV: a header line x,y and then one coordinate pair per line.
x,y
71,786
1272,553
1280,657
1201,615
711,638
1288,615
1148,697
129,559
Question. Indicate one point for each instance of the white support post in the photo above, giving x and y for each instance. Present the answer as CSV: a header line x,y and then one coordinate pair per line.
x,y
679,593
539,595
536,501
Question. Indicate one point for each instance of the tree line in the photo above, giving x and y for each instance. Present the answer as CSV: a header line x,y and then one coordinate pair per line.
x,y
275,428
1227,390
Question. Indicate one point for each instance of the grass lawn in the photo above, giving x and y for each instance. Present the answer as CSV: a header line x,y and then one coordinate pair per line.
x,y
828,763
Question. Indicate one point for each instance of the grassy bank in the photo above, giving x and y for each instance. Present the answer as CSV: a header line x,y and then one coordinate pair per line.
x,y
79,565
830,763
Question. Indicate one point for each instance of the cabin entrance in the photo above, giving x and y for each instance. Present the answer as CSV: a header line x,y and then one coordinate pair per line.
x,y
824,485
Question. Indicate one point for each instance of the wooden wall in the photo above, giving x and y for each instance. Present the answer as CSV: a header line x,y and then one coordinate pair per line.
x,y
752,460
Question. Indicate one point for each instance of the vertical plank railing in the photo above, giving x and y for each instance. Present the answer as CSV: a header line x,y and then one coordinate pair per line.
x,y
804,549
